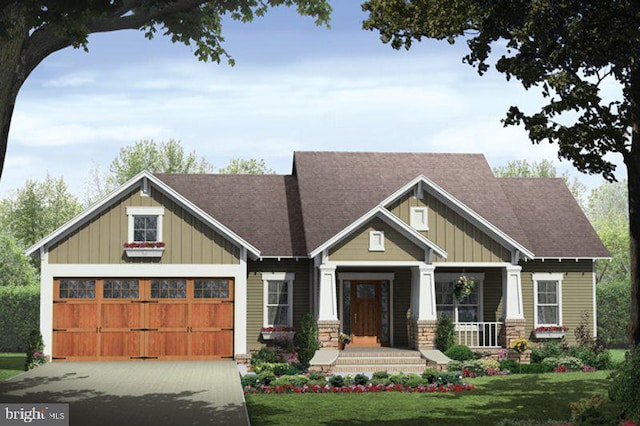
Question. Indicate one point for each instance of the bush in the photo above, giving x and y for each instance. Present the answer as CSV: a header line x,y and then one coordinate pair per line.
x,y
336,381
510,365
361,379
535,368
445,333
318,379
489,363
571,363
599,361
19,315
625,385
431,374
250,380
614,307
588,411
453,377
398,378
266,377
299,380
413,381
549,349
306,340
277,368
380,375
266,355
35,346
460,353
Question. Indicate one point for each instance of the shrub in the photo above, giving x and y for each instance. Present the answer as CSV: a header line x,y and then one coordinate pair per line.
x,y
453,377
35,357
460,353
384,381
281,381
454,365
361,379
250,380
546,350
306,340
266,377
349,380
625,385
614,306
510,365
571,363
277,368
317,378
588,411
535,368
380,375
600,361
489,363
19,315
298,380
431,374
398,378
413,381
336,381
445,333
266,355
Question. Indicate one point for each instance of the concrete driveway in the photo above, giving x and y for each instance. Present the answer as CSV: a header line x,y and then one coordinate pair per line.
x,y
136,393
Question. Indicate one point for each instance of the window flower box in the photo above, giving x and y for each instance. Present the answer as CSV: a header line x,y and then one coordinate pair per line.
x,y
146,249
277,333
550,332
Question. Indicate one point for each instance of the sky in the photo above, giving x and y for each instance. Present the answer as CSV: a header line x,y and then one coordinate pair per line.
x,y
294,87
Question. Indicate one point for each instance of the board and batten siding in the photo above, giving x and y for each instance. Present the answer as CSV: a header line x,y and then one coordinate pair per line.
x,y
396,246
187,239
462,241
255,294
577,292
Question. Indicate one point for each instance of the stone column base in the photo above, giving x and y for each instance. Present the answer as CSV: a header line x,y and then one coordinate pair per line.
x,y
328,333
513,329
422,333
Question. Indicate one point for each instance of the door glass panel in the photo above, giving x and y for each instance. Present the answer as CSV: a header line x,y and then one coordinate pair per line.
x,y
168,289
211,289
346,307
366,290
77,289
384,300
120,289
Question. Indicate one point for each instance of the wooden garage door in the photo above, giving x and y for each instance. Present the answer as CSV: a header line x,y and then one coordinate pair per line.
x,y
124,319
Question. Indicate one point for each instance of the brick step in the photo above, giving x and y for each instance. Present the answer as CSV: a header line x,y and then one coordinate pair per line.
x,y
379,360
398,368
381,354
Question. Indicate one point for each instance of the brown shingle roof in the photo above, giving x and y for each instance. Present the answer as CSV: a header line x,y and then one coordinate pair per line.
x,y
551,217
262,209
336,188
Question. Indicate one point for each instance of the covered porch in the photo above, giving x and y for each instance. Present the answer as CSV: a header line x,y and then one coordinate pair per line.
x,y
398,305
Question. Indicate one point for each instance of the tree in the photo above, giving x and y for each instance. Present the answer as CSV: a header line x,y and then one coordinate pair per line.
x,y
608,212
15,268
37,210
238,166
543,169
32,30
568,50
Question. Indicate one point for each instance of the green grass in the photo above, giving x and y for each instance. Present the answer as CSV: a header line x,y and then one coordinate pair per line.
x,y
617,355
529,396
11,364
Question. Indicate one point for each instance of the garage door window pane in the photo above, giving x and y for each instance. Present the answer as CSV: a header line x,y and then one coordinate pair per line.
x,y
77,289
120,289
211,289
168,289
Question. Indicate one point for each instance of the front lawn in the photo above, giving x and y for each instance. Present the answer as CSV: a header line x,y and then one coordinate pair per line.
x,y
526,396
617,355
11,364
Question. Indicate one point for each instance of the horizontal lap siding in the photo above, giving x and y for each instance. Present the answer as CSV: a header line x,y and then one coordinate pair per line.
x,y
356,246
255,295
462,241
577,292
187,239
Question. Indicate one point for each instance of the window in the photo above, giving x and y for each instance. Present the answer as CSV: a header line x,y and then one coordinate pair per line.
x,y
376,241
77,289
168,289
547,288
145,224
120,289
211,289
418,218
468,309
278,299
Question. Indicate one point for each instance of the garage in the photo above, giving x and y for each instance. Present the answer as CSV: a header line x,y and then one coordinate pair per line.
x,y
113,319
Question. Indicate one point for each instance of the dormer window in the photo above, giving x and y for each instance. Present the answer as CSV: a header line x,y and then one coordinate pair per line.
x,y
145,224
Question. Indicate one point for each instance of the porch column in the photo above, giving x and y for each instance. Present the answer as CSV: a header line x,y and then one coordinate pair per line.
x,y
328,323
422,323
514,321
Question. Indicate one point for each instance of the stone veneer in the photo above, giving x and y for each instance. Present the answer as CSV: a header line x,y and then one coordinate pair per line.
x,y
328,333
513,329
422,333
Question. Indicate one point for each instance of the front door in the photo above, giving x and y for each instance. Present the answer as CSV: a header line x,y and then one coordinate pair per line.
x,y
366,313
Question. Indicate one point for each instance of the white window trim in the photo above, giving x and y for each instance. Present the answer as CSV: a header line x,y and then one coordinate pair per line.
x,y
287,277
376,240
546,276
144,211
422,225
478,278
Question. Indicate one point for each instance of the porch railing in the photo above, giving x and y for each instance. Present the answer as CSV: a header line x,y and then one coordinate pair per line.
x,y
479,334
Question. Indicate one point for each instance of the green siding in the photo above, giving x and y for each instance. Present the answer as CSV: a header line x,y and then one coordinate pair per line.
x,y
577,291
462,241
356,246
187,239
255,293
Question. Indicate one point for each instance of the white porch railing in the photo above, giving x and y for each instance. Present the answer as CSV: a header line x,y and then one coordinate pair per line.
x,y
479,334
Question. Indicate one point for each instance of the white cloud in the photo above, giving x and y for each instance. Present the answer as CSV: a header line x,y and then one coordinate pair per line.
x,y
71,80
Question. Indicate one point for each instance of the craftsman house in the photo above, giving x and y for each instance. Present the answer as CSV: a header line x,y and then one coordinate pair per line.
x,y
372,244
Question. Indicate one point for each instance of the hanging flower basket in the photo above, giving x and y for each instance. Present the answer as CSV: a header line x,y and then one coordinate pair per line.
x,y
462,287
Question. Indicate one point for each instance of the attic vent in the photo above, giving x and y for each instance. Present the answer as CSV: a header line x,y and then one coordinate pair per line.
x,y
419,218
145,189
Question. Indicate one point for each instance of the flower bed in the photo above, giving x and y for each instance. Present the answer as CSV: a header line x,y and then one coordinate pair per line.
x,y
370,388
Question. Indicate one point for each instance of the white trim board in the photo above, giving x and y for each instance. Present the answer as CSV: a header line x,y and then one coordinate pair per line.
x,y
122,191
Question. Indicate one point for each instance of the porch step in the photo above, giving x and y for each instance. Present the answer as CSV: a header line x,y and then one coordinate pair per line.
x,y
389,368
378,360
378,352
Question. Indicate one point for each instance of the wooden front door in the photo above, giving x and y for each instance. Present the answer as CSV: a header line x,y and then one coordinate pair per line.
x,y
366,313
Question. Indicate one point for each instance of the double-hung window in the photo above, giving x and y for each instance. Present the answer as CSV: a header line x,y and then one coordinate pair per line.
x,y
547,289
468,309
278,299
